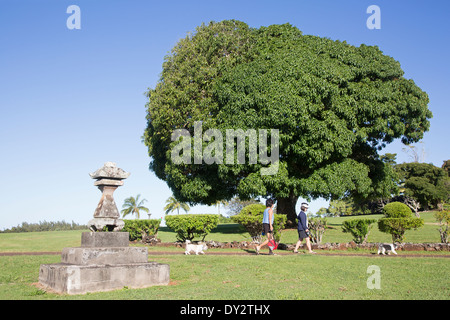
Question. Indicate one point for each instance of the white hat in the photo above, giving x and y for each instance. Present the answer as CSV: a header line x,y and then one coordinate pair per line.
x,y
304,204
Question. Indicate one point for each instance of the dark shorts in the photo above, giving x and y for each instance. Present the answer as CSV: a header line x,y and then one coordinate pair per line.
x,y
266,228
302,234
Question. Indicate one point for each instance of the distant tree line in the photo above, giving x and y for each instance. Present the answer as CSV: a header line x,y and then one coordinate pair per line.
x,y
45,226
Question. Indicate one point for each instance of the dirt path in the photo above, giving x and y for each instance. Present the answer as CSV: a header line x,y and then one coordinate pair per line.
x,y
251,252
281,253
36,253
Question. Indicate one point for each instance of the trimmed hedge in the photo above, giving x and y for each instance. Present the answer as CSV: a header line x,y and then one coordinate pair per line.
x,y
251,218
397,210
188,226
397,227
138,228
398,219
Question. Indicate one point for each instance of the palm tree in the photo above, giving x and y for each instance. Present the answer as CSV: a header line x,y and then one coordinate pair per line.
x,y
219,203
173,204
133,205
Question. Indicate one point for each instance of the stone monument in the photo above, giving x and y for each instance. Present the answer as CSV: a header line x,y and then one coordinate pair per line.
x,y
104,261
109,178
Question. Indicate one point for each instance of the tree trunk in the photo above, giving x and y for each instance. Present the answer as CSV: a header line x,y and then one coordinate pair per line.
x,y
287,206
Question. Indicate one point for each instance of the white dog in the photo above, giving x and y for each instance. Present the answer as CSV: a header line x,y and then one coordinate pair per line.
x,y
197,248
387,247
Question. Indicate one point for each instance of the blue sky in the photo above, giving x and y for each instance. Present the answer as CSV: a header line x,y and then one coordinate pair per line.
x,y
71,100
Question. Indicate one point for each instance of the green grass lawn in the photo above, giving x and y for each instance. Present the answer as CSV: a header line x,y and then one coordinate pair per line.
x,y
281,277
39,241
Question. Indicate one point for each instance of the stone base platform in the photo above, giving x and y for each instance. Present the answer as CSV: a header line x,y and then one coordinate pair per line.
x,y
80,279
104,255
104,262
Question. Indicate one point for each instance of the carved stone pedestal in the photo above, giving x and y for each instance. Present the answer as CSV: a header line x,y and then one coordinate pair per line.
x,y
106,215
112,266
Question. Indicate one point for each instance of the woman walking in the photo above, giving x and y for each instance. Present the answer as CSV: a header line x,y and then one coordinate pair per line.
x,y
268,217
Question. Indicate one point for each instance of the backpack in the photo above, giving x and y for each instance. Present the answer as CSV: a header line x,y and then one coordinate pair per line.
x,y
272,245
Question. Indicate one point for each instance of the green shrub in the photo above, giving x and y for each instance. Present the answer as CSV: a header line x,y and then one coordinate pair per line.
x,y
398,219
138,228
251,218
359,228
188,226
397,226
397,210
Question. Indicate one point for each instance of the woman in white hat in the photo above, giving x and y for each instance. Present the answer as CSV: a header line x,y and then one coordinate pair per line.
x,y
302,228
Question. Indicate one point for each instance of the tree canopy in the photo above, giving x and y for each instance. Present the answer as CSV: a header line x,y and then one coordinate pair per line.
x,y
424,182
335,106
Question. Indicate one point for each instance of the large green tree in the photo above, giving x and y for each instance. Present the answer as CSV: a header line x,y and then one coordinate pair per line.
x,y
424,182
335,106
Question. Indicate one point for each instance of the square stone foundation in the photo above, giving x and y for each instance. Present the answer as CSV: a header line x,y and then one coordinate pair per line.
x,y
104,262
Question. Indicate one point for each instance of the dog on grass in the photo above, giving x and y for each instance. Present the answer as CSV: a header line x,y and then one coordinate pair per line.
x,y
197,248
387,248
